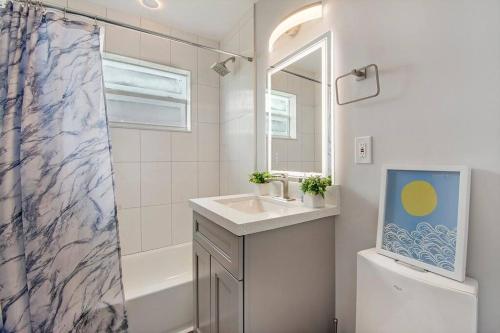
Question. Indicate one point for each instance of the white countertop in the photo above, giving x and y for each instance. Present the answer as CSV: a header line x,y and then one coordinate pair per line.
x,y
240,223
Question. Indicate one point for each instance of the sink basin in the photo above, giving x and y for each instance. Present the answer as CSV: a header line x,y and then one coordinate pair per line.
x,y
253,205
244,214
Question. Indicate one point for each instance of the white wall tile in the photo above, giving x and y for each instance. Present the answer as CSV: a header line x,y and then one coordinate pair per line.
x,y
208,104
306,118
128,187
318,147
294,166
307,92
185,145
156,223
208,179
279,150
182,223
194,103
156,183
119,40
156,146
208,142
293,86
246,37
279,81
206,75
308,167
184,181
246,143
223,182
129,228
236,116
294,149
88,7
185,57
280,165
231,43
122,41
125,145
307,147
140,180
155,49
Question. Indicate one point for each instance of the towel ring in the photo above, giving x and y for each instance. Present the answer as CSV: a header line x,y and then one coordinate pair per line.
x,y
360,74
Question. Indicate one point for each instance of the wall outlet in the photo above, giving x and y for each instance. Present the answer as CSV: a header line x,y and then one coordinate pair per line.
x,y
363,146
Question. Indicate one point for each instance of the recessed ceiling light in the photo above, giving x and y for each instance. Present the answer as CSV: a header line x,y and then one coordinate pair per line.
x,y
151,4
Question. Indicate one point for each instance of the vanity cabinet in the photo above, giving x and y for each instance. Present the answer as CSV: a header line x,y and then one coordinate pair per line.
x,y
202,276
280,280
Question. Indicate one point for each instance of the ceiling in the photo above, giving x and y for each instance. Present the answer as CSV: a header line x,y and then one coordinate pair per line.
x,y
208,18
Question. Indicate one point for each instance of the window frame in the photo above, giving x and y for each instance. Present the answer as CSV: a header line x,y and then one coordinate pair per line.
x,y
291,116
156,66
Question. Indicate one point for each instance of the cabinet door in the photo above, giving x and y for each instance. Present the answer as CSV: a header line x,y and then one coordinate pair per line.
x,y
226,300
201,278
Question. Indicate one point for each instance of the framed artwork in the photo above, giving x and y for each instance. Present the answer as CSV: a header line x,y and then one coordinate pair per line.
x,y
423,217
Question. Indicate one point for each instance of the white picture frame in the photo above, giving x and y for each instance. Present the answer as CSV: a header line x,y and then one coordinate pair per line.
x,y
415,246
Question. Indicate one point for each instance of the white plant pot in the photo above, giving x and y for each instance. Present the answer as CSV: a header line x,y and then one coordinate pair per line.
x,y
314,201
261,189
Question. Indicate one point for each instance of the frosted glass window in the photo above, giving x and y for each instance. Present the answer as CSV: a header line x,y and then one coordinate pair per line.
x,y
143,94
283,111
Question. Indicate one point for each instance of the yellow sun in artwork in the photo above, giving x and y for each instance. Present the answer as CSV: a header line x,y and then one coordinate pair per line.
x,y
419,198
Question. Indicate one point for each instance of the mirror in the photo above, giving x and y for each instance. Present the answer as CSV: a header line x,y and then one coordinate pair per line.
x,y
298,112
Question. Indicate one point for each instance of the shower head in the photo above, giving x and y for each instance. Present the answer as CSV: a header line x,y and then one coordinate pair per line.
x,y
220,67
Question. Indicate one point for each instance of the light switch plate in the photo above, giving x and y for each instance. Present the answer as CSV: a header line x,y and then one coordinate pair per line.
x,y
363,146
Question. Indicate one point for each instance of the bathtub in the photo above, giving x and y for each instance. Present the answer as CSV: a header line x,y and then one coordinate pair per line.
x,y
158,290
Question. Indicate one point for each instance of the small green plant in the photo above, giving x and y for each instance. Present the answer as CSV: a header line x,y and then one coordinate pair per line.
x,y
316,185
260,177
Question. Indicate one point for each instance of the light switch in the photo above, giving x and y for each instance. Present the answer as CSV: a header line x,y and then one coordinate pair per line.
x,y
363,146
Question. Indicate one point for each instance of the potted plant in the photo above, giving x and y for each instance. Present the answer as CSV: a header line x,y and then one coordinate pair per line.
x,y
261,182
314,189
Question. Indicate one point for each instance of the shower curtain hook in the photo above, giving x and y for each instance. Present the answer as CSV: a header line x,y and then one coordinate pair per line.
x,y
95,21
64,14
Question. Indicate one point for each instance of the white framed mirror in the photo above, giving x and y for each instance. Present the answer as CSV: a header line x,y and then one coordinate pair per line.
x,y
298,112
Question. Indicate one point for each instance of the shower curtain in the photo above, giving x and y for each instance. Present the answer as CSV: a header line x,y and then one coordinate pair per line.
x,y
59,252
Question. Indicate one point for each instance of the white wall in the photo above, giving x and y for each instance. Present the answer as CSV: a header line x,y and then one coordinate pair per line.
x,y
237,111
440,79
156,172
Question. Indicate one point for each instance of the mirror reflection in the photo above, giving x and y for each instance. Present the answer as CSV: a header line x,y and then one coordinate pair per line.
x,y
295,105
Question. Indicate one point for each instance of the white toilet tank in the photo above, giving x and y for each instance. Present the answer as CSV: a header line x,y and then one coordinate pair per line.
x,y
394,298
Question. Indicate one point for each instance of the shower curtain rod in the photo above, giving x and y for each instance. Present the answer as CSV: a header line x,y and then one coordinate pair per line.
x,y
132,27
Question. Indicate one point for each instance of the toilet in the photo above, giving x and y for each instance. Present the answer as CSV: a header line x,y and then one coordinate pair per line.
x,y
395,298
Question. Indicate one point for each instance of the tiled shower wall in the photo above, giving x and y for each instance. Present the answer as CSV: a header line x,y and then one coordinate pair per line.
x,y
237,121
156,172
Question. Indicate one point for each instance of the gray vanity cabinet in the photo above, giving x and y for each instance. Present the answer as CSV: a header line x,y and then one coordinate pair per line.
x,y
280,280
226,300
202,277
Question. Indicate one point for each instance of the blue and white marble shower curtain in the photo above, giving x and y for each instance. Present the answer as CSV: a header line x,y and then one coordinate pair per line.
x,y
59,252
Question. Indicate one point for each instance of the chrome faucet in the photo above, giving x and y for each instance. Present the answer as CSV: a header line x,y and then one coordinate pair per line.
x,y
283,179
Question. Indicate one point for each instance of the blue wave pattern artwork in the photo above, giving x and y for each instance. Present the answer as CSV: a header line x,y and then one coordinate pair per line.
x,y
434,245
59,252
